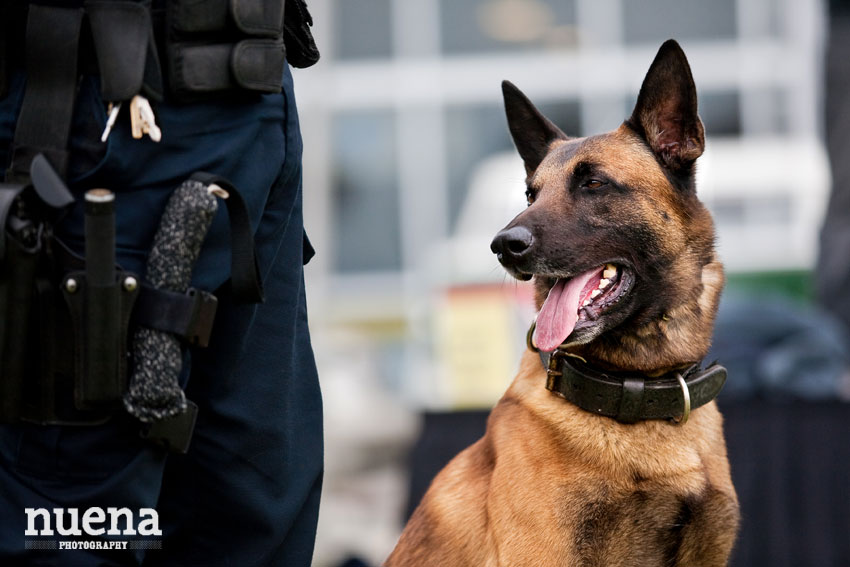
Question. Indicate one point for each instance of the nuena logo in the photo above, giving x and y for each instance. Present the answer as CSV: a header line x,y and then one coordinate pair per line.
x,y
93,522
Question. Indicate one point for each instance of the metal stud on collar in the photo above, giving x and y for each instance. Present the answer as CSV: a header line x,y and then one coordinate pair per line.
x,y
686,394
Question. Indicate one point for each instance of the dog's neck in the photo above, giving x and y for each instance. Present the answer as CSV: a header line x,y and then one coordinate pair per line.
x,y
674,339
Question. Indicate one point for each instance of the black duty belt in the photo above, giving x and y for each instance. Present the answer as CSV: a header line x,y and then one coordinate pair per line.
x,y
631,397
185,50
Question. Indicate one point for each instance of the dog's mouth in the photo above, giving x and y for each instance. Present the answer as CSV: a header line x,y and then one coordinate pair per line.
x,y
576,303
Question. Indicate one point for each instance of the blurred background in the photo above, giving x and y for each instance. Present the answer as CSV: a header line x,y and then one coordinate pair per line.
x,y
410,171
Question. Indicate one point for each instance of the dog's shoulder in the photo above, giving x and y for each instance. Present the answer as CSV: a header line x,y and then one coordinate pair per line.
x,y
449,527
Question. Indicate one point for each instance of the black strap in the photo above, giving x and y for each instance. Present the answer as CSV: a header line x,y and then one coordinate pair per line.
x,y
245,281
44,123
630,397
188,315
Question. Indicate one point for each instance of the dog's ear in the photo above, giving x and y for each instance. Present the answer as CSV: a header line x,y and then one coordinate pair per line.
x,y
666,110
532,132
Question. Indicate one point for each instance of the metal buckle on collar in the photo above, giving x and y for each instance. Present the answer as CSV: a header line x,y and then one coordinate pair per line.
x,y
552,372
686,403
550,360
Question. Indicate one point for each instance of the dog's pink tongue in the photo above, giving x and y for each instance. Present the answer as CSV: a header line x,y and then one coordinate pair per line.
x,y
558,316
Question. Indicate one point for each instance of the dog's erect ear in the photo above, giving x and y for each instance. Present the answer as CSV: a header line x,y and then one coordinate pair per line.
x,y
666,110
532,132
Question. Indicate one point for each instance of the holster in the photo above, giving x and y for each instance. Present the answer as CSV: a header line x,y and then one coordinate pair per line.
x,y
64,325
16,296
36,337
64,336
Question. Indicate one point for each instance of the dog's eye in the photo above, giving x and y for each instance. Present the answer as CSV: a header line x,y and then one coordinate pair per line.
x,y
593,184
529,196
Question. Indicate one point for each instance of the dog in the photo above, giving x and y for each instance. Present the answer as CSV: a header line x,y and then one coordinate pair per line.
x,y
594,456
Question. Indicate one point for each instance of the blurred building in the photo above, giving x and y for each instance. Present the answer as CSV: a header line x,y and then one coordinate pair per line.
x,y
409,172
406,106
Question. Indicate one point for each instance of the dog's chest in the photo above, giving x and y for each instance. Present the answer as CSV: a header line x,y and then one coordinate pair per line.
x,y
643,527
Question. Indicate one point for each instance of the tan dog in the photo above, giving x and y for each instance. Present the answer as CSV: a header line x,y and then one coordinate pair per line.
x,y
590,458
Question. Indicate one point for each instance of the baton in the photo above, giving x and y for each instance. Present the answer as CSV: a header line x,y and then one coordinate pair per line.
x,y
101,383
154,391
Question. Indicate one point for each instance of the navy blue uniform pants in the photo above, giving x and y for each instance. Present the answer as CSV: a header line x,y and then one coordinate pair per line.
x,y
247,492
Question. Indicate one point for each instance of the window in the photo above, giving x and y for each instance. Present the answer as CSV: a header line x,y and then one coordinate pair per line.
x,y
472,133
364,192
506,25
475,132
362,29
720,113
653,21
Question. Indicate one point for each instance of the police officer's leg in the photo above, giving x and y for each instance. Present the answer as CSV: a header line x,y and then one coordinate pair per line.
x,y
247,493
245,143
69,468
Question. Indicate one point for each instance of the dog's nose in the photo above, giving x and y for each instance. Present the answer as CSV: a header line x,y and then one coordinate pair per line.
x,y
512,243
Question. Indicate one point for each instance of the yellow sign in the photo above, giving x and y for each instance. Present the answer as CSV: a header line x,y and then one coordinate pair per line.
x,y
476,342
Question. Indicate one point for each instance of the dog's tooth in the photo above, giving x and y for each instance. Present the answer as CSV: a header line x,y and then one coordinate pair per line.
x,y
610,271
595,293
603,283
586,303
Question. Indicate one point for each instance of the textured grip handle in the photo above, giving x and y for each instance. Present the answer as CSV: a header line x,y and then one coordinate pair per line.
x,y
154,391
181,232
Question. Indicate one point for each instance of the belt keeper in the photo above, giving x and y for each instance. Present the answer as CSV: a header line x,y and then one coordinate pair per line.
x,y
203,316
631,402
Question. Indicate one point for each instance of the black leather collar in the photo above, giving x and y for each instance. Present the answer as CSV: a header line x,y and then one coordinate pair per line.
x,y
632,397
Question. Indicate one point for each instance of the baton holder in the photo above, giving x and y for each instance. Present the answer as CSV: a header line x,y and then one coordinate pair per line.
x,y
100,318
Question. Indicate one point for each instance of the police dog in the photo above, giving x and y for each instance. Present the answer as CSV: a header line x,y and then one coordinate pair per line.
x,y
622,256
